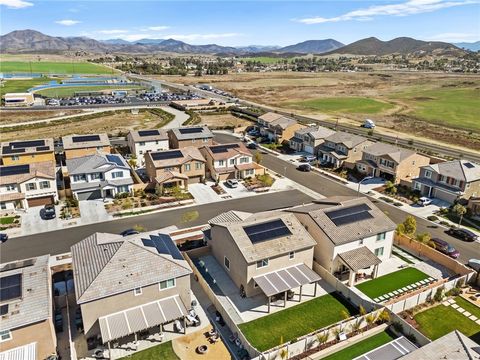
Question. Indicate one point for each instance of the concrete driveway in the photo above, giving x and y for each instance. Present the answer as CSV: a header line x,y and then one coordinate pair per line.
x,y
33,223
239,191
203,193
92,211
425,211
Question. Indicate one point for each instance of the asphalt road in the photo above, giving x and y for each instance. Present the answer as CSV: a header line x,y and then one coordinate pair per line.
x,y
328,187
58,242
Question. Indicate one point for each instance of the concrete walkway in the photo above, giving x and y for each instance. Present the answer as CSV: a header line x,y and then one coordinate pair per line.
x,y
180,117
454,305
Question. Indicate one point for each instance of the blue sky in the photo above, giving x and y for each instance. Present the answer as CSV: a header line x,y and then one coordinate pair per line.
x,y
247,22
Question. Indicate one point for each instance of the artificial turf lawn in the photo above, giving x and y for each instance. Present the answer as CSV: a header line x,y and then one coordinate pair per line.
x,y
163,351
467,305
390,282
361,347
440,320
354,105
53,67
291,323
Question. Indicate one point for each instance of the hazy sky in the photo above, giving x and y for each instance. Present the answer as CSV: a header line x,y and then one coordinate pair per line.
x,y
247,22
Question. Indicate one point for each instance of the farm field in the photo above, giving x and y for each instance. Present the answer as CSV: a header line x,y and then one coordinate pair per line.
x,y
353,105
70,91
53,67
9,86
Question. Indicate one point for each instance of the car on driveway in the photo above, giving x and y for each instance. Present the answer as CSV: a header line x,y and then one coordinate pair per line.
x,y
424,201
446,248
304,167
232,183
308,158
129,232
463,234
3,237
49,212
58,320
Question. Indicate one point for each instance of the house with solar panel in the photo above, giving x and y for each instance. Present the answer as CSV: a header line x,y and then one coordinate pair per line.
x,y
449,180
267,253
353,236
178,167
99,176
142,141
190,136
130,285
26,327
27,185
27,152
81,145
229,161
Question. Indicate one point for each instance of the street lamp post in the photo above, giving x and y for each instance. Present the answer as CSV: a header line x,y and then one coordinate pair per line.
x,y
360,183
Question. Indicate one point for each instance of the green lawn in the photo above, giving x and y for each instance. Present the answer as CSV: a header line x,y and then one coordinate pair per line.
x,y
46,67
70,91
286,325
440,320
393,281
354,105
453,107
361,347
163,351
7,220
12,86
467,305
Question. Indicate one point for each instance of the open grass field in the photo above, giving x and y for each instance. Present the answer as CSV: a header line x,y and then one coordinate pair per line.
x,y
53,67
440,320
352,105
16,116
361,347
70,91
222,120
163,351
12,86
390,282
286,325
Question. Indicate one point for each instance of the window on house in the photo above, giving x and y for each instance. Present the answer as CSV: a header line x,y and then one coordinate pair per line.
x,y
379,251
198,165
5,335
31,186
221,163
96,176
140,152
243,160
137,291
11,187
428,174
15,157
187,167
262,263
226,262
122,189
79,177
117,174
44,184
417,186
232,161
291,255
3,206
381,236
141,143
167,284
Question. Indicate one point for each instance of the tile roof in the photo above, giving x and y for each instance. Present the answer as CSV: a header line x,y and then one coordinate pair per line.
x,y
68,143
298,239
343,234
22,147
36,302
396,153
45,169
458,169
108,264
347,139
204,133
162,135
169,175
230,152
95,163
283,122
189,153
359,258
229,217
12,196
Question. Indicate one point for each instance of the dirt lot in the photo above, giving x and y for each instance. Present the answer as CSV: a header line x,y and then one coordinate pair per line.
x,y
13,117
224,120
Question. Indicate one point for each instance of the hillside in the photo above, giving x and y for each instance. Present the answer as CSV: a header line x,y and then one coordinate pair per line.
x,y
472,46
312,47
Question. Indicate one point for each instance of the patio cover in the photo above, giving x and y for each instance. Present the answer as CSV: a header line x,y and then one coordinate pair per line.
x,y
135,319
360,258
25,352
285,279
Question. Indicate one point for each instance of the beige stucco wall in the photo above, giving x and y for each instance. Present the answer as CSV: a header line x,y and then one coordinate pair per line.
x,y
42,333
409,168
75,153
472,190
28,158
289,132
91,311
356,154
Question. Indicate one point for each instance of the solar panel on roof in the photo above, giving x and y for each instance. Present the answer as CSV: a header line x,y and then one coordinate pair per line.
x,y
86,138
348,210
348,219
163,155
115,159
25,144
10,287
148,132
9,150
350,214
4,310
43,148
191,130
223,148
14,170
267,231
164,245
469,165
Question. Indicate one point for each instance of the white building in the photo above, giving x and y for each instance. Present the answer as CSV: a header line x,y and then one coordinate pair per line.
x,y
99,176
27,185
142,141
19,99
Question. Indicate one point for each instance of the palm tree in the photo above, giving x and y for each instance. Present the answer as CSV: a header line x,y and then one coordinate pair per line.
x,y
355,326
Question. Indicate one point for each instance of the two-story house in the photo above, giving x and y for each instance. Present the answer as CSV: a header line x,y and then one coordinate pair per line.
x,y
309,139
99,176
229,161
27,185
281,129
82,145
190,136
264,120
26,327
178,167
262,252
27,152
127,285
352,235
449,180
142,141
343,149
391,162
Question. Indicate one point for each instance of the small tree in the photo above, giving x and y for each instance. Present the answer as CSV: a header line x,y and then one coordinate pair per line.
x,y
389,186
460,210
438,294
400,229
355,326
258,157
133,163
384,316
410,225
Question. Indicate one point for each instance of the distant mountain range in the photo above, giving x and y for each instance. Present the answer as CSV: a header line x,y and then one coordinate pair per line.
x,y
28,41
472,46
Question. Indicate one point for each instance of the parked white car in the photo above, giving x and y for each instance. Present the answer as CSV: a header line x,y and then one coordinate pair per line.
x,y
424,201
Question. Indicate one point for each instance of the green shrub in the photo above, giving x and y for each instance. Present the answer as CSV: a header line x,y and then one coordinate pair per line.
x,y
432,218
438,294
454,292
398,204
445,223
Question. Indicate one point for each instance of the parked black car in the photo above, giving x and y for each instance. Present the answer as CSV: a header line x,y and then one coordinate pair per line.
x,y
252,146
129,232
463,234
304,167
49,212
58,320
3,237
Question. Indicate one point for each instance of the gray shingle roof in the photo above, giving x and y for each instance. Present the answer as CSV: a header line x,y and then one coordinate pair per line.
x,y
349,232
108,264
94,163
97,184
458,169
36,303
359,258
317,132
396,153
347,139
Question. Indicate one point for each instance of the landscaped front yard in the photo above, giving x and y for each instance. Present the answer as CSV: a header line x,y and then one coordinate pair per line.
x,y
286,325
390,282
163,351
